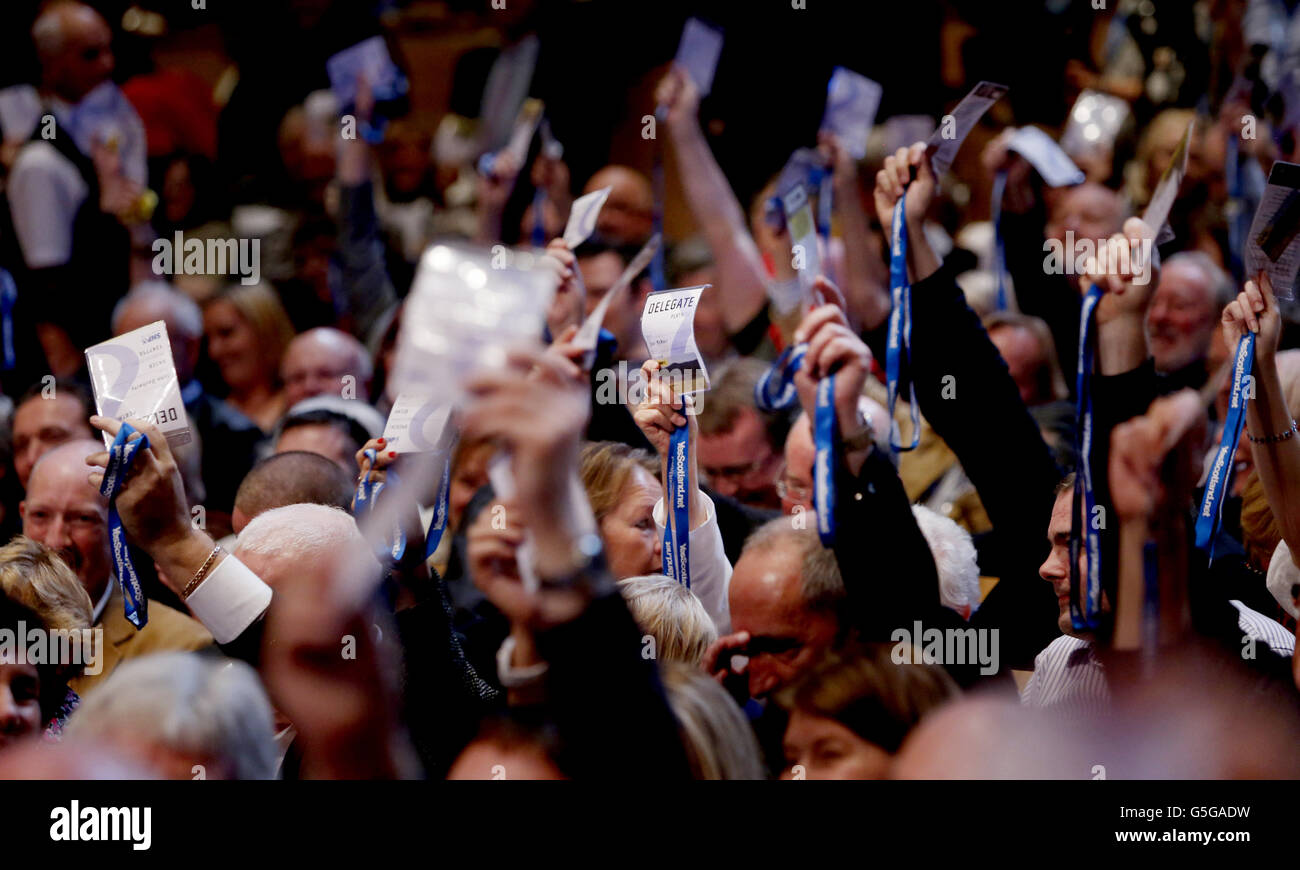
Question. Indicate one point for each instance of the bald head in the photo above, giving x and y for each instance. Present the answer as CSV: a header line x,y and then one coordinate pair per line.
x,y
628,214
74,45
65,512
800,453
294,477
153,301
307,543
1089,211
316,363
785,593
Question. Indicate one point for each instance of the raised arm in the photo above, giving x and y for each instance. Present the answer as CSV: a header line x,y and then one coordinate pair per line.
x,y
366,287
600,692
1269,424
741,275
866,278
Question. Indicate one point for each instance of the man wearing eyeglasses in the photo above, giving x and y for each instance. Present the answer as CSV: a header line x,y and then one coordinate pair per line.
x,y
740,446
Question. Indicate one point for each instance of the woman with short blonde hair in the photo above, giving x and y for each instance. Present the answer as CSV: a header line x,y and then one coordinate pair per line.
x,y
34,576
718,738
622,485
671,614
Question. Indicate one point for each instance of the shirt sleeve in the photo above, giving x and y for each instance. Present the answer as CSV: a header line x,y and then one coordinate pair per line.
x,y
229,600
44,192
1282,575
710,570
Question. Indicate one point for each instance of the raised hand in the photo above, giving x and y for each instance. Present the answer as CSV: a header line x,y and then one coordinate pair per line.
x,y
833,348
661,412
567,307
895,177
680,98
537,408
1128,282
1254,310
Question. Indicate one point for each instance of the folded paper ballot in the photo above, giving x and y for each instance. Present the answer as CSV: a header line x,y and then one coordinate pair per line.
x,y
133,376
507,87
1156,214
367,58
582,217
417,425
467,307
852,100
1051,162
668,326
698,53
1272,245
954,128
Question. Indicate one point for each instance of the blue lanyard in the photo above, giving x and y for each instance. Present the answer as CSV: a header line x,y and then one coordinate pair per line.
x,y
824,425
677,534
900,330
1085,607
539,223
439,522
657,279
367,496
8,296
999,246
822,179
775,391
1216,486
120,456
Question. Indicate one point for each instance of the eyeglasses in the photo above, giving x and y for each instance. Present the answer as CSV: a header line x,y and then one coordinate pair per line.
x,y
737,472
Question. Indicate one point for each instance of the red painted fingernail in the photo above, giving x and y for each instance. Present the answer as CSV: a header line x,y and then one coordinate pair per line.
x,y
381,440
392,454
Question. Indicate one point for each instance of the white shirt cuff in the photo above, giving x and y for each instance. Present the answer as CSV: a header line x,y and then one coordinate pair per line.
x,y
1282,575
229,600
512,677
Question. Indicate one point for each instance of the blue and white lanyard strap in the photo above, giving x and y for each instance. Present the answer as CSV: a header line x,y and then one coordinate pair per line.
x,y
120,456
898,348
676,552
8,297
1220,480
999,245
1085,596
539,214
776,391
822,179
366,498
657,279
438,524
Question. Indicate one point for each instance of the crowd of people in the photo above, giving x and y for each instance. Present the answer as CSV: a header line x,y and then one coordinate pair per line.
x,y
544,636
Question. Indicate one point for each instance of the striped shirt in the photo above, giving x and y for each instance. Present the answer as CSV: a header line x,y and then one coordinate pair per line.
x,y
1068,676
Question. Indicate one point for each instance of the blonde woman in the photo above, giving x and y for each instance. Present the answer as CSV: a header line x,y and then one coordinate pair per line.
x,y
672,616
34,576
718,739
247,331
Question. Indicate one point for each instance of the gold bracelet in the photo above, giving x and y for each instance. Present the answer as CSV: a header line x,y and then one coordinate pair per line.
x,y
202,573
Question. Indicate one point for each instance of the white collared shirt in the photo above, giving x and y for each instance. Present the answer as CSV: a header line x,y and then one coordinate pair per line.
x,y
710,570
